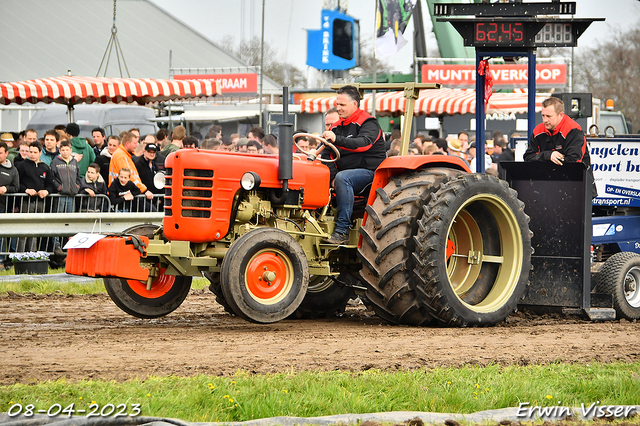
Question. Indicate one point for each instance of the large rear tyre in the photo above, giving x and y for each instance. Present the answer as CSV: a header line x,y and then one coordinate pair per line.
x,y
473,251
166,294
325,297
215,286
620,277
265,275
388,245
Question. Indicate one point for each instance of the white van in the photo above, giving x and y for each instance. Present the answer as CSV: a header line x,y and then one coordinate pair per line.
x,y
111,117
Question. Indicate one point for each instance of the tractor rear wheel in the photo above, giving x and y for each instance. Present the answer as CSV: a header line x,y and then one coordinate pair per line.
x,y
215,287
166,294
388,245
325,297
620,277
264,275
473,251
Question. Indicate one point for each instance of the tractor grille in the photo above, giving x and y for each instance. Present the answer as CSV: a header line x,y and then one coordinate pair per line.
x,y
198,173
194,201
167,191
199,198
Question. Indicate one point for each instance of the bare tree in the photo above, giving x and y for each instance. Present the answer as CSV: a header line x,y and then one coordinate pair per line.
x,y
611,70
248,51
366,60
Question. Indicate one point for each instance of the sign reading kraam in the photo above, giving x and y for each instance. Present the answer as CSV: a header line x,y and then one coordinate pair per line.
x,y
245,83
547,75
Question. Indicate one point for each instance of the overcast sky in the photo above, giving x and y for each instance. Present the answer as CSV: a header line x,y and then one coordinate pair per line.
x,y
286,22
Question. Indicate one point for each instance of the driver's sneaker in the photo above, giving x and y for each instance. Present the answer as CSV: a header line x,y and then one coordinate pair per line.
x,y
337,238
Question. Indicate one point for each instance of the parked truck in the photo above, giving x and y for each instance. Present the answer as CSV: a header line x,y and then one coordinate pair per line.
x,y
430,243
606,120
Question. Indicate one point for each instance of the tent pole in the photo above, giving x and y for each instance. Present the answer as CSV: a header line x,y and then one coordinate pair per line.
x,y
70,111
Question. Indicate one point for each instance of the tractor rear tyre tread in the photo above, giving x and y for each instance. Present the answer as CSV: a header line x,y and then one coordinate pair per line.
x,y
388,244
325,297
620,270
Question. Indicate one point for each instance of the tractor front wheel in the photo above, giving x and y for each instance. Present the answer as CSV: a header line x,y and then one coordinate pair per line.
x,y
264,275
165,295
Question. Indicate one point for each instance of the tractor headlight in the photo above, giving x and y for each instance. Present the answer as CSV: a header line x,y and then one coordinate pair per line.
x,y
250,181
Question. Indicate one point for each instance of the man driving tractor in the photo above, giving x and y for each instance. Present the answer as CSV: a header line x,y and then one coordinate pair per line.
x,y
360,140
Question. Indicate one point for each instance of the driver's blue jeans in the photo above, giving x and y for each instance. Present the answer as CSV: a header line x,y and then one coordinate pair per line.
x,y
346,184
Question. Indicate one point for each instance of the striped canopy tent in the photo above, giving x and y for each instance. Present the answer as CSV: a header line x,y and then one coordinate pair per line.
x,y
434,102
71,90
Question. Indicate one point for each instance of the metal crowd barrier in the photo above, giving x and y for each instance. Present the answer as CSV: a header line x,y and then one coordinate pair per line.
x,y
30,224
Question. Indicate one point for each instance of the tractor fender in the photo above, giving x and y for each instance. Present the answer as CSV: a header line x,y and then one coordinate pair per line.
x,y
397,165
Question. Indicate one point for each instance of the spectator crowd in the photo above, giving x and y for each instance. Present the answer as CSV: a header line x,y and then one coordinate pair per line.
x,y
460,145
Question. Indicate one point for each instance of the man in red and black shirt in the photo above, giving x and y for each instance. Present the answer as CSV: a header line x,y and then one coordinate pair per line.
x,y
559,139
360,140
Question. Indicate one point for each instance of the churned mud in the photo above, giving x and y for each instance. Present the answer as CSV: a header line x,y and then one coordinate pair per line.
x,y
74,337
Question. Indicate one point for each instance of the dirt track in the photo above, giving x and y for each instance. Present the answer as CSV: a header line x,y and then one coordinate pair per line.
x,y
75,337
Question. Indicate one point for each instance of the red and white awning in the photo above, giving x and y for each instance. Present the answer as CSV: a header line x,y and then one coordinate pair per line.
x,y
71,90
431,102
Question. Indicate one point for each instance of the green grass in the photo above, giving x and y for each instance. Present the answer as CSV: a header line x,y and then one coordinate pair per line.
x,y
11,272
244,397
47,286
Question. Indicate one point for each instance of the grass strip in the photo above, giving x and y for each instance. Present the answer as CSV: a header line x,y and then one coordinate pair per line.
x,y
47,286
245,396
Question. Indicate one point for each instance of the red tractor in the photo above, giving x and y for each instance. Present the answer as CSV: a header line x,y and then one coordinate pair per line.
x,y
432,242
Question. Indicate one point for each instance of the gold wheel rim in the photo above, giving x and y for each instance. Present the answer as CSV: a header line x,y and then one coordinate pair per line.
x,y
465,264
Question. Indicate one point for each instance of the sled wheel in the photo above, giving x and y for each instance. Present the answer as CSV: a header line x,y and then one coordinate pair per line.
x,y
264,275
166,294
325,297
216,288
388,245
474,247
620,277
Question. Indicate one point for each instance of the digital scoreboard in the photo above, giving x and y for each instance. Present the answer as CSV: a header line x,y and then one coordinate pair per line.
x,y
521,32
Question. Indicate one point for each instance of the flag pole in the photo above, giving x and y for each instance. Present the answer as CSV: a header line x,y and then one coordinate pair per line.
x,y
375,59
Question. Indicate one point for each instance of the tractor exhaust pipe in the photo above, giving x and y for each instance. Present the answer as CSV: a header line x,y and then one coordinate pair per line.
x,y
285,141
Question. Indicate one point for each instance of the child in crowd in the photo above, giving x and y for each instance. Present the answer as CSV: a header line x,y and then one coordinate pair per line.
x,y
93,184
122,190
66,177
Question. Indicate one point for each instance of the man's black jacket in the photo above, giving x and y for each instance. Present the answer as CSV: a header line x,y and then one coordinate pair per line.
x,y
360,141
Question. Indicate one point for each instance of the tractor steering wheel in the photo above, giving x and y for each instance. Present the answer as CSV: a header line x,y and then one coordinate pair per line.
x,y
314,155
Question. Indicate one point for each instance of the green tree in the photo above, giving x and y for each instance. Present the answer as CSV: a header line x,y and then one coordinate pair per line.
x,y
611,70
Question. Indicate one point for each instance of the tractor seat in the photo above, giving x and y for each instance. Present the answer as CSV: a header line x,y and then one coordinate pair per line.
x,y
360,202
